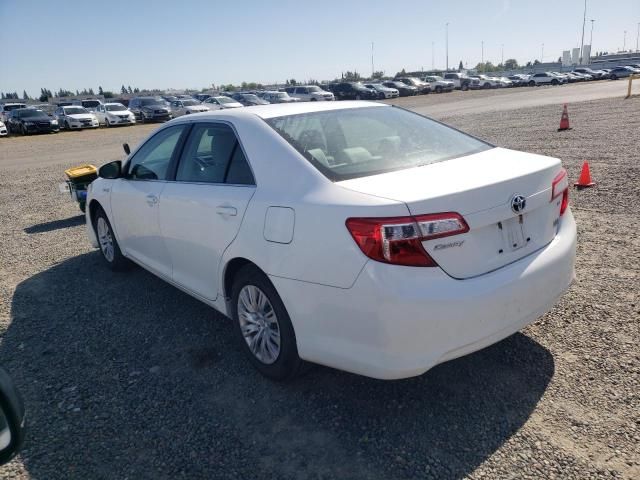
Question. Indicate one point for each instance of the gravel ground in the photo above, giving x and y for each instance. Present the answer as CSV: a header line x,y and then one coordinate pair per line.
x,y
126,377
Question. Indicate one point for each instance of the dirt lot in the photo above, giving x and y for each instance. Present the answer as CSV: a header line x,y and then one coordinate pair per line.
x,y
126,377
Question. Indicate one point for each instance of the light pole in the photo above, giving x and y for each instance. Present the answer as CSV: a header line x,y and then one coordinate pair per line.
x,y
542,54
584,20
446,40
638,38
624,41
482,55
502,56
372,69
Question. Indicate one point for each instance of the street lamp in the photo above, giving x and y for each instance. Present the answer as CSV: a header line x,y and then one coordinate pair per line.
x,y
624,41
584,19
482,55
591,40
446,40
432,57
502,56
638,38
542,54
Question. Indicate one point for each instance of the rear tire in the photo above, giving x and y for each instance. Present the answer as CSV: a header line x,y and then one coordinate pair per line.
x,y
438,89
107,123
486,86
614,77
109,248
554,82
464,87
263,326
532,83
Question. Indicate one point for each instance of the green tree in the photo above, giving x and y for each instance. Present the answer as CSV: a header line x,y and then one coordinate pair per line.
x,y
460,66
24,95
130,90
511,64
123,90
107,94
293,82
100,91
378,75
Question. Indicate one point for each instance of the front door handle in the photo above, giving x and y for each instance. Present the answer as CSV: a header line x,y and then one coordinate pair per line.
x,y
152,200
226,211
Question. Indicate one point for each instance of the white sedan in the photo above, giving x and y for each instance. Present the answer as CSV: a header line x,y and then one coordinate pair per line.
x,y
76,118
187,107
351,234
3,129
113,114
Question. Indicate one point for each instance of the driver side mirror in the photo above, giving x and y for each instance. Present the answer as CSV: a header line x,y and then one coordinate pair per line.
x,y
12,425
126,148
111,170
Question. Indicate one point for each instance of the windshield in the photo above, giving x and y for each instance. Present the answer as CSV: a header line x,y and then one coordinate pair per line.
x,y
190,103
314,89
8,108
358,142
30,113
74,110
115,108
225,100
152,101
250,97
90,103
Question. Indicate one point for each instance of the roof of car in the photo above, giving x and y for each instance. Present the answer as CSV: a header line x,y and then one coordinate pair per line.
x,y
282,109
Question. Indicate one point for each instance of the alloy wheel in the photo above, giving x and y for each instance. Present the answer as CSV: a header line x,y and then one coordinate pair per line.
x,y
259,324
105,239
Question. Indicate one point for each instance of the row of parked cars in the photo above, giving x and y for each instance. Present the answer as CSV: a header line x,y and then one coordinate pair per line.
x,y
19,118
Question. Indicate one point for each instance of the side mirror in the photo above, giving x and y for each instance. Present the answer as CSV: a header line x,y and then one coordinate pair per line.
x,y
12,425
111,170
126,148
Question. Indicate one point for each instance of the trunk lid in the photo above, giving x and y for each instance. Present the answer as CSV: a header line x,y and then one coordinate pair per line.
x,y
482,188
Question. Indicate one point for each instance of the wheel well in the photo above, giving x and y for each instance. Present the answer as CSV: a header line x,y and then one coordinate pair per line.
x,y
94,206
232,268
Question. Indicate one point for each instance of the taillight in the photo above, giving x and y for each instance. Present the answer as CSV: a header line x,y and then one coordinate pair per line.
x,y
560,186
398,240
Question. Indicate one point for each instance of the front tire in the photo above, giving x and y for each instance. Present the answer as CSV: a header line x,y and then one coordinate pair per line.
x,y
109,247
614,77
263,326
532,83
438,89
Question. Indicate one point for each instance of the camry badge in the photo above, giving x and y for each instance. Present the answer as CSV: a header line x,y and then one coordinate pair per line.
x,y
518,202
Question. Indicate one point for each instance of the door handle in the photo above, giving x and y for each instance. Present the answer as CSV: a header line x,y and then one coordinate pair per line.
x,y
226,211
152,200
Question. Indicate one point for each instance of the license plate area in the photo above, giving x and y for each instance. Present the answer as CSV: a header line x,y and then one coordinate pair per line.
x,y
513,233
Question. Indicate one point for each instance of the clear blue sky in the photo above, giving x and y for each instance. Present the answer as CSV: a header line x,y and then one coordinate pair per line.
x,y
78,44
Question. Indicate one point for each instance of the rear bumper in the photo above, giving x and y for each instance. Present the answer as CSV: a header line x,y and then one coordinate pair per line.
x,y
398,322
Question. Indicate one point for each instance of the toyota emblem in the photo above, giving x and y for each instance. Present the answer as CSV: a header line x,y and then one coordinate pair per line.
x,y
518,202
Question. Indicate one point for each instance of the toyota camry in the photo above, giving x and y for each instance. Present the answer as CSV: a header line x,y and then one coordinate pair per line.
x,y
356,235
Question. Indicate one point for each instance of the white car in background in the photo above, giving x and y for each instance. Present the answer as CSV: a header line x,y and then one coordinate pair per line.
x,y
113,114
3,129
439,84
401,244
485,81
385,92
546,78
5,108
187,107
309,93
74,117
221,102
277,97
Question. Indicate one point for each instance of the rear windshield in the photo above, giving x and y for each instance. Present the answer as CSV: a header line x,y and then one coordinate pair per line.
x,y
8,108
358,142
114,107
90,103
30,113
74,110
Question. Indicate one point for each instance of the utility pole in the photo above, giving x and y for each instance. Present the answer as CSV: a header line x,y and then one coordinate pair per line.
x,y
372,69
624,41
542,54
502,56
446,39
584,19
482,55
638,38
591,41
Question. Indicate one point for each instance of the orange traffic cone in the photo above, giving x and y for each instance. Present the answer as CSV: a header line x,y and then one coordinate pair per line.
x,y
564,121
585,177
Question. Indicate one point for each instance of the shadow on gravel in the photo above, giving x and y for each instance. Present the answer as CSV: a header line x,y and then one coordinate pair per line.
x,y
56,225
126,377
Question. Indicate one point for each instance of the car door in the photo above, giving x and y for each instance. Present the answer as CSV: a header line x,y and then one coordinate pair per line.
x,y
201,211
135,199
101,114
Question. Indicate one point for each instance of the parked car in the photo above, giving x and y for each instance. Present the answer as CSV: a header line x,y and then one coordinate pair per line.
x,y
91,104
3,129
248,99
403,90
422,87
504,82
150,109
634,67
278,97
220,102
12,419
170,98
353,265
545,78
621,72
352,91
5,108
596,74
439,84
187,107
26,121
383,92
74,117
584,76
485,81
461,81
114,114
309,93
518,80
202,96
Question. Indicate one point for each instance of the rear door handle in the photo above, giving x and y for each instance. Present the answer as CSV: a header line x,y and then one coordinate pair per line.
x,y
226,210
152,200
